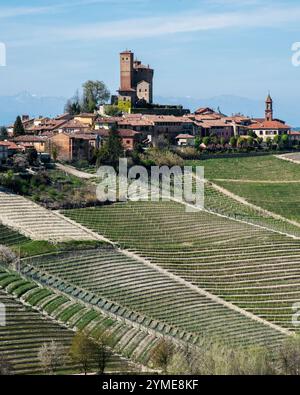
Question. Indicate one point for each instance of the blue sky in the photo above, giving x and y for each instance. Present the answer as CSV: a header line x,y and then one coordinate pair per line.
x,y
198,48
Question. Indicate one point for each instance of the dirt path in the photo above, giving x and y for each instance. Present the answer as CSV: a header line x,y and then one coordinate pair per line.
x,y
256,181
294,158
74,172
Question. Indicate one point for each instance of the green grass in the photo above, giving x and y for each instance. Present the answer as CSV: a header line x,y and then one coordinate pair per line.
x,y
252,168
282,199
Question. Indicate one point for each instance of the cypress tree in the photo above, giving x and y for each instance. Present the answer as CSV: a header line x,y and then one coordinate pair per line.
x,y
18,127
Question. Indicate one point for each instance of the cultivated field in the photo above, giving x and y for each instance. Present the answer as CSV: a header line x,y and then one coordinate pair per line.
x,y
256,168
36,222
135,290
280,198
56,318
230,273
266,181
252,267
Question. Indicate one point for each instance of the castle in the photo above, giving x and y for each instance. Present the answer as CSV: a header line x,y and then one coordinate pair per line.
x,y
136,80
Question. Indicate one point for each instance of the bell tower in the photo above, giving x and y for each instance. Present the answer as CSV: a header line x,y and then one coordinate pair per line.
x,y
269,109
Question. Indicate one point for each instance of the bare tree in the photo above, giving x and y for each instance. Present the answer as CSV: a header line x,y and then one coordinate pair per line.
x,y
6,367
289,356
102,352
51,357
7,256
162,354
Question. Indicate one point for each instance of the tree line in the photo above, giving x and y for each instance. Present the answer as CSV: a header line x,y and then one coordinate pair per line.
x,y
167,357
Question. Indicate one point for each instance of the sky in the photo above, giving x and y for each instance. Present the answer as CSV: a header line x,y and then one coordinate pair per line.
x,y
198,48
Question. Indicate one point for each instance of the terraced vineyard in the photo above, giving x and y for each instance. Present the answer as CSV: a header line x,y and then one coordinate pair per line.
x,y
281,198
222,204
254,268
36,222
25,332
156,300
10,237
26,329
265,181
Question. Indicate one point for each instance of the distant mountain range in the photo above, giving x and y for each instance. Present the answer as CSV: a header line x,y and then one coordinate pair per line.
x,y
27,103
34,105
227,104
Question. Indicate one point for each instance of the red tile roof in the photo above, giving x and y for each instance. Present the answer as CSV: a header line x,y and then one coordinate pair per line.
x,y
30,139
9,144
269,125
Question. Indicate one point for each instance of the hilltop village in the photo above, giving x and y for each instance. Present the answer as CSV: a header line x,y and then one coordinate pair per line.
x,y
147,286
73,137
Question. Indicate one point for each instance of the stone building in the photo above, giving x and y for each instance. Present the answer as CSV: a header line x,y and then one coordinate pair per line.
x,y
136,80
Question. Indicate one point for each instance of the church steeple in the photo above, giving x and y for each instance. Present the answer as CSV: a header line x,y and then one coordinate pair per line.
x,y
269,109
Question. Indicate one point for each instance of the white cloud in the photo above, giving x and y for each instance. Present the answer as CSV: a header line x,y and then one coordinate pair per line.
x,y
11,12
184,23
280,17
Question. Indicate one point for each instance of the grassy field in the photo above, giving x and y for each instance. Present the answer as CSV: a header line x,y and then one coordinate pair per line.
x,y
283,199
266,181
252,168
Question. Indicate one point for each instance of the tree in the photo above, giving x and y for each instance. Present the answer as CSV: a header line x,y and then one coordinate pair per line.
x,y
289,356
20,162
285,140
112,150
7,256
32,156
6,367
3,133
198,142
51,357
18,127
112,110
269,142
102,353
251,133
277,139
54,153
82,351
206,140
233,141
162,143
73,106
250,141
185,361
240,142
95,93
162,354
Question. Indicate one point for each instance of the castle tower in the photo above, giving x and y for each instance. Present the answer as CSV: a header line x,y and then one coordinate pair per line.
x,y
269,109
136,80
126,70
